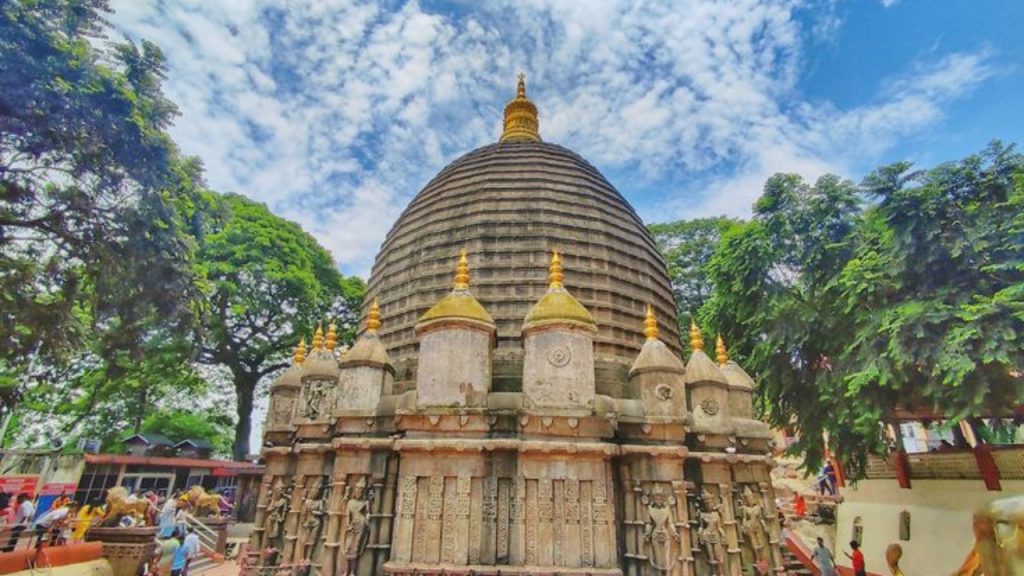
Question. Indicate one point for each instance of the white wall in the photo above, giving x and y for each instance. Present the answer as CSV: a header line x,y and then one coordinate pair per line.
x,y
940,521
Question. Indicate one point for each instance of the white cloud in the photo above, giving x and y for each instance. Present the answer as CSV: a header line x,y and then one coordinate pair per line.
x,y
336,112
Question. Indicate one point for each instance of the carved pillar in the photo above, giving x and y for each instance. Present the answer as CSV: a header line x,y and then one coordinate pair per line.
x,y
735,563
335,511
291,524
772,521
685,556
258,538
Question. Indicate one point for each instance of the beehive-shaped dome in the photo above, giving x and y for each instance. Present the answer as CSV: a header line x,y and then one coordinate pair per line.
x,y
510,205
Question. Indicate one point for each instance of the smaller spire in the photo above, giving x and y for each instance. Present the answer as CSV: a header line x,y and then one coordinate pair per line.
x,y
300,351
696,339
521,86
521,122
462,272
318,337
373,317
555,275
332,336
721,355
650,324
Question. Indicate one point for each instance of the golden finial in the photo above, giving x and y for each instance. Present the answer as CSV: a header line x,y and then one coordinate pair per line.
x,y
300,351
332,336
650,324
373,317
318,337
462,272
555,271
720,353
696,340
521,121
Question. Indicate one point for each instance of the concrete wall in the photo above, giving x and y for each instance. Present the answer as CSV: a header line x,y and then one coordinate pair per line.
x,y
940,521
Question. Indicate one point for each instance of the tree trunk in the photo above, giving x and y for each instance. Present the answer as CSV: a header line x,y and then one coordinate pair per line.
x,y
245,386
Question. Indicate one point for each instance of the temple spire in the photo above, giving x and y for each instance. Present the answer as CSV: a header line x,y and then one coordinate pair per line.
x,y
332,336
462,272
373,317
555,274
521,121
318,337
721,355
696,338
300,351
650,324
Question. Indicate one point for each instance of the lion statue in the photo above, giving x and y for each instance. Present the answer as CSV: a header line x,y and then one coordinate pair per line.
x,y
203,504
998,540
120,504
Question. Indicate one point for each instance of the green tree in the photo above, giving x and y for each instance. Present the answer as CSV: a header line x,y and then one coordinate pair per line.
x,y
848,314
269,282
181,425
687,246
94,205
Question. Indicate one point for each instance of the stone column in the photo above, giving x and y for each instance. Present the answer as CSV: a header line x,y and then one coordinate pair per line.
x,y
735,563
683,528
127,549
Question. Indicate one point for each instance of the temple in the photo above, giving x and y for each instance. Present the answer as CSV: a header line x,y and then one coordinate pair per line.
x,y
530,413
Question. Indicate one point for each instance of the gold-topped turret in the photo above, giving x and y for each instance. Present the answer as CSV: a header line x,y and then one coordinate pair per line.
x,y
318,337
696,338
332,337
555,271
459,303
373,317
721,355
650,324
462,272
300,351
521,121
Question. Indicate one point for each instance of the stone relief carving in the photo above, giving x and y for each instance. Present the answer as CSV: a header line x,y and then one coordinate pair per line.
x,y
559,356
753,525
663,391
315,395
283,406
712,532
314,508
277,511
358,502
709,406
660,527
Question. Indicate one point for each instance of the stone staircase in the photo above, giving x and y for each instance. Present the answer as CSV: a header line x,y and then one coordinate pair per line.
x,y
210,557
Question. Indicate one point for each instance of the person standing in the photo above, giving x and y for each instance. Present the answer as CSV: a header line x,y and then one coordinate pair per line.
x,y
167,514
823,559
52,523
191,547
179,559
26,510
857,558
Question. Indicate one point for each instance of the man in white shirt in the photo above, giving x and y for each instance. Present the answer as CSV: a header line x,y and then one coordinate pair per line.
x,y
26,510
192,546
53,522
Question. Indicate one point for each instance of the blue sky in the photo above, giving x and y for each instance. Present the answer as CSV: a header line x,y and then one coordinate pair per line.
x,y
335,112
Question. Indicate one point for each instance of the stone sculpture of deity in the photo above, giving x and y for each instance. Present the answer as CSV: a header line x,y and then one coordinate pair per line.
x,y
712,532
753,524
316,392
277,511
660,528
358,500
313,510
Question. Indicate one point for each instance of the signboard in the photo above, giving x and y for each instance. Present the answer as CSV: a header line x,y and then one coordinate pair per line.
x,y
19,484
55,488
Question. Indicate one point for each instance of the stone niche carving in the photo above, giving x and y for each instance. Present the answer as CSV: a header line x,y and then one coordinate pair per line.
x,y
282,406
358,502
661,537
314,511
711,532
277,512
317,400
753,525
558,369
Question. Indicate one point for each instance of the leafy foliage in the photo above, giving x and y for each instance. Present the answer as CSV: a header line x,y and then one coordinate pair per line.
x,y
269,283
687,246
181,425
852,303
95,209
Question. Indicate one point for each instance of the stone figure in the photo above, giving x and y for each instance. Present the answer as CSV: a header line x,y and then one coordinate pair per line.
x,y
316,391
277,511
313,510
660,528
712,532
753,524
357,510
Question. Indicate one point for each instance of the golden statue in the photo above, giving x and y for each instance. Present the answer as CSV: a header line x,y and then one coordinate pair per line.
x,y
203,504
998,540
120,504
